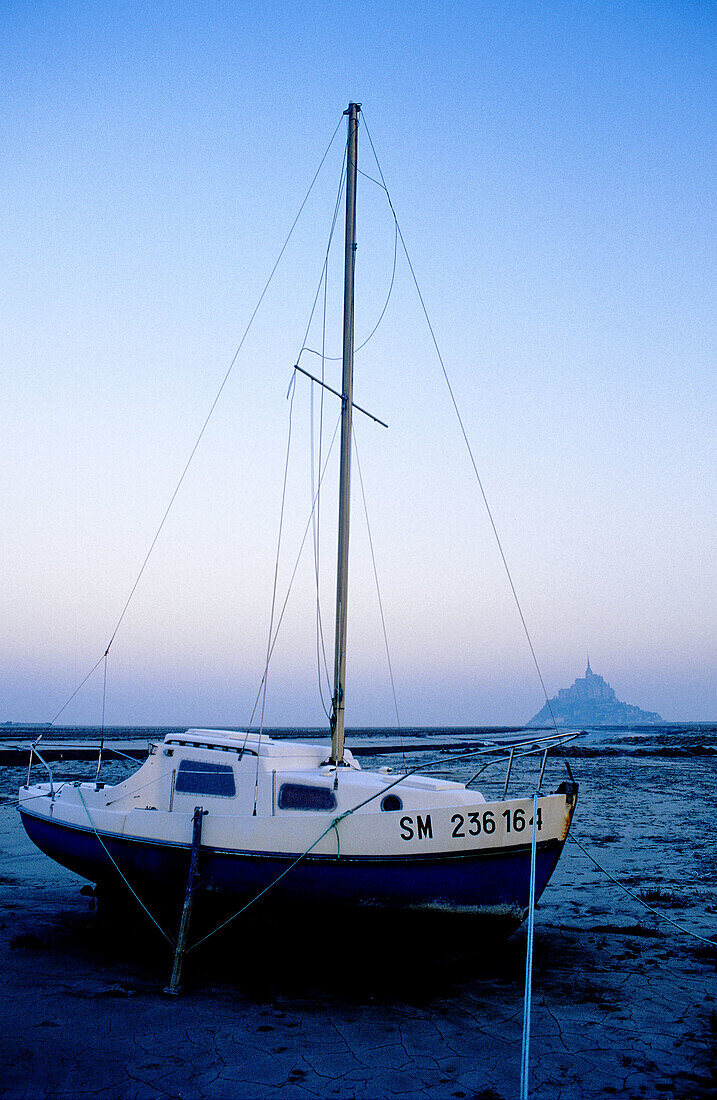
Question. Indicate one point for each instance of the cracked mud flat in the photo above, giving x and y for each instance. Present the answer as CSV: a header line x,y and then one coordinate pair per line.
x,y
623,1006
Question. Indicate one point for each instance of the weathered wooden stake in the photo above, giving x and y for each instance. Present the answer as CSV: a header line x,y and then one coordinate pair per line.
x,y
175,982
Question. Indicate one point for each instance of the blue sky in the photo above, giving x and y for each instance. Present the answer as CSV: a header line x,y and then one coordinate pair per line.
x,y
552,170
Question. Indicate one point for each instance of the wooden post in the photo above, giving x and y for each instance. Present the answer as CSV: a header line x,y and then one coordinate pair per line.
x,y
175,982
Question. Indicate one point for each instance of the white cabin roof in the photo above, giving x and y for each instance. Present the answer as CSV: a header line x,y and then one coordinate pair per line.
x,y
264,746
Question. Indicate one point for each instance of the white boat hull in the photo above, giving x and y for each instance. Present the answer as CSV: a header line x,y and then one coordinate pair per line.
x,y
469,858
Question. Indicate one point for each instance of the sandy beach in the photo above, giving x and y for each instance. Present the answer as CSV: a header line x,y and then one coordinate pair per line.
x,y
623,1005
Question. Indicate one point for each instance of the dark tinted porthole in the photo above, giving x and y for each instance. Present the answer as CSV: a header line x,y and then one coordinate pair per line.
x,y
391,802
297,796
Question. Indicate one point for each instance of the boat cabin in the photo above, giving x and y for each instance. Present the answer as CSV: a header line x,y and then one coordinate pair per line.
x,y
235,773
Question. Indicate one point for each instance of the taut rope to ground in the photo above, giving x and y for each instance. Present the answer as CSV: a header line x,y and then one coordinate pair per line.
x,y
637,898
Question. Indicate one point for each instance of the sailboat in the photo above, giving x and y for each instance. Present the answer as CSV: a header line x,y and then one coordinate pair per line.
x,y
302,823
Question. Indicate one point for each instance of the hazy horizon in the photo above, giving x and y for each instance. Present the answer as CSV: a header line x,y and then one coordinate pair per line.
x,y
552,172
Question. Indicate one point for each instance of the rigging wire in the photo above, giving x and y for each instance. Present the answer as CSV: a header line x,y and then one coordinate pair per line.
x,y
316,531
316,522
316,514
380,602
265,677
324,268
102,731
79,688
320,641
371,179
466,441
292,578
205,424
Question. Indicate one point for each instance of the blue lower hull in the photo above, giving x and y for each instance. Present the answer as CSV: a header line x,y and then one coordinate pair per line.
x,y
495,880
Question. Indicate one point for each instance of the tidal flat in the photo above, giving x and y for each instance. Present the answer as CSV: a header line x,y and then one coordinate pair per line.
x,y
623,1003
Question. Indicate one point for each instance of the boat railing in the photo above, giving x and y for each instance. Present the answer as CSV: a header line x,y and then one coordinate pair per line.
x,y
34,752
507,752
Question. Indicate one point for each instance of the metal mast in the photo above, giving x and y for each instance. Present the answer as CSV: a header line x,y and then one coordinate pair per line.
x,y
342,572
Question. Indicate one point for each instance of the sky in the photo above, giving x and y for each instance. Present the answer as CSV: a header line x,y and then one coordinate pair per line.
x,y
551,167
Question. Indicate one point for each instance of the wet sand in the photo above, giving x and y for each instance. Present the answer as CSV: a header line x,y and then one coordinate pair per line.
x,y
621,1008
623,1005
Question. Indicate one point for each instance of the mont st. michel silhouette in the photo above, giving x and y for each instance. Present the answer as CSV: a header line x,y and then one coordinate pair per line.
x,y
592,702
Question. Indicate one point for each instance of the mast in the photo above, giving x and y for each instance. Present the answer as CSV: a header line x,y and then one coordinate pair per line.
x,y
342,571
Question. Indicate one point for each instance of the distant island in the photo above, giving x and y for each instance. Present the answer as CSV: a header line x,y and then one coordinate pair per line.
x,y
592,702
26,725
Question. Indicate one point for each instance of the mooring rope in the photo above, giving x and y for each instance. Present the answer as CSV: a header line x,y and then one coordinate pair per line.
x,y
127,883
118,752
637,898
334,825
26,798
525,1055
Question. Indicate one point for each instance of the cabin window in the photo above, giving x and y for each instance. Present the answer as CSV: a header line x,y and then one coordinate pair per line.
x,y
391,802
199,777
297,796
